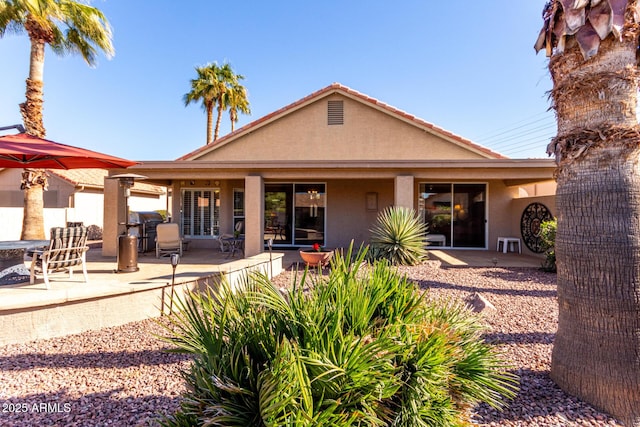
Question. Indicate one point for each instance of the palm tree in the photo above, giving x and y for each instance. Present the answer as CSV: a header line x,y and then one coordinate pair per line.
x,y
227,79
211,87
67,27
592,46
204,88
236,101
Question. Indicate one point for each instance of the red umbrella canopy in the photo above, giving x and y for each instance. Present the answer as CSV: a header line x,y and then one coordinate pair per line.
x,y
26,151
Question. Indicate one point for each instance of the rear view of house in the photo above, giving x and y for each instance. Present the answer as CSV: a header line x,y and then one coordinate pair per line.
x,y
321,169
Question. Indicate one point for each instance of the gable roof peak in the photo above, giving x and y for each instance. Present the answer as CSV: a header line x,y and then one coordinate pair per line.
x,y
354,94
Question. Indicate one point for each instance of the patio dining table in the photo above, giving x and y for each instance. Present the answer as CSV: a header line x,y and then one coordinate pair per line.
x,y
12,268
236,244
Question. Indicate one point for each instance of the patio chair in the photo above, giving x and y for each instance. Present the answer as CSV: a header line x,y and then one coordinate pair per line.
x,y
168,240
67,249
224,242
239,228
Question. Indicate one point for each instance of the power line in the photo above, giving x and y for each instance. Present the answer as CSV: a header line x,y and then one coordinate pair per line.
x,y
508,140
517,125
527,147
521,136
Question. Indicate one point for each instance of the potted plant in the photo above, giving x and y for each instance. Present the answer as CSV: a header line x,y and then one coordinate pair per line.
x,y
316,256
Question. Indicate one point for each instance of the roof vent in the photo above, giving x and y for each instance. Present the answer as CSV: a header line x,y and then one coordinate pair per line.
x,y
335,113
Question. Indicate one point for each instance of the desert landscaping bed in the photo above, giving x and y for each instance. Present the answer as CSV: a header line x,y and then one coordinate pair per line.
x,y
122,376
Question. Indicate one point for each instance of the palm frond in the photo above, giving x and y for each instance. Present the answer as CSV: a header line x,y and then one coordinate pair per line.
x,y
359,347
588,22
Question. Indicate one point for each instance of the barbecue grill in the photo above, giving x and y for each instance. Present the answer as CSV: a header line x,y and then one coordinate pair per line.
x,y
145,228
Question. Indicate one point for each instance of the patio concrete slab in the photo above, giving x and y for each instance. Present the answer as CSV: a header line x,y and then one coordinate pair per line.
x,y
485,258
110,298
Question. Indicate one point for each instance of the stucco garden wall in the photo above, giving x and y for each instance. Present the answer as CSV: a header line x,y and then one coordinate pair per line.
x,y
505,212
517,206
11,220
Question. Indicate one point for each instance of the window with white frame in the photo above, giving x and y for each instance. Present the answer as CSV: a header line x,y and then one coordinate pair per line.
x,y
200,212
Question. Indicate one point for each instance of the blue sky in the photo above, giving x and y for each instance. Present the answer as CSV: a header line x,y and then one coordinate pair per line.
x,y
468,67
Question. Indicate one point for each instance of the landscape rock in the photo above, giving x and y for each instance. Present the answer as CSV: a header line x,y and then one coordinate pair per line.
x,y
479,303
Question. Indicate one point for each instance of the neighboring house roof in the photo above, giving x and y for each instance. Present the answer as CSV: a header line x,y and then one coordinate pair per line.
x,y
81,177
352,94
94,178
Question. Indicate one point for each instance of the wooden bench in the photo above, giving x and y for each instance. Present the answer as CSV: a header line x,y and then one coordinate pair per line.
x,y
436,238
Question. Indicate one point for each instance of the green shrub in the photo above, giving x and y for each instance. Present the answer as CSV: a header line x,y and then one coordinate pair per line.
x,y
548,236
399,237
359,347
164,213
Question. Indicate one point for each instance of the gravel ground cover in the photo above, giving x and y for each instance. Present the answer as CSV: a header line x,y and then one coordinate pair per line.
x,y
522,327
118,376
122,376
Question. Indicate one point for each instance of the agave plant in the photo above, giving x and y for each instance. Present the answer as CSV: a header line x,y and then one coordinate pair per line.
x,y
361,347
399,236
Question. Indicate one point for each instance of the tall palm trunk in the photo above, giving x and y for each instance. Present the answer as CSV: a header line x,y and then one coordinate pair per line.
x,y
68,27
209,123
34,181
596,353
218,120
233,116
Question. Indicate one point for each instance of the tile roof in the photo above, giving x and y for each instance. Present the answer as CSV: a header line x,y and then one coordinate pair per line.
x,y
335,88
90,177
95,178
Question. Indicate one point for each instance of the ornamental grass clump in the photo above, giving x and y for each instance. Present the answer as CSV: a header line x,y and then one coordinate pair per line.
x,y
399,237
359,347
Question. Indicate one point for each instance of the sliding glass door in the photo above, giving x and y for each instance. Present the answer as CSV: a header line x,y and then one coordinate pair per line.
x,y
295,213
454,213
278,213
434,206
309,209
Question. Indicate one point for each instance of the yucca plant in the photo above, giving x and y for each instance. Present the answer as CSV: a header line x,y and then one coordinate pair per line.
x,y
399,236
359,347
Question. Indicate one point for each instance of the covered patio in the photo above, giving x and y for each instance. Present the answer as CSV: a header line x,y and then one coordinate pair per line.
x,y
350,195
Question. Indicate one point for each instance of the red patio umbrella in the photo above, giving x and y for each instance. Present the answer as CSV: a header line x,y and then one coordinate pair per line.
x,y
25,151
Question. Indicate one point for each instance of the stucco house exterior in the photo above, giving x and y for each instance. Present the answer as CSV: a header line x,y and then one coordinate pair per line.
x,y
75,195
322,168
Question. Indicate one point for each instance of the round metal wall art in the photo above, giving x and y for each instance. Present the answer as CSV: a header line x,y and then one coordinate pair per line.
x,y
532,217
